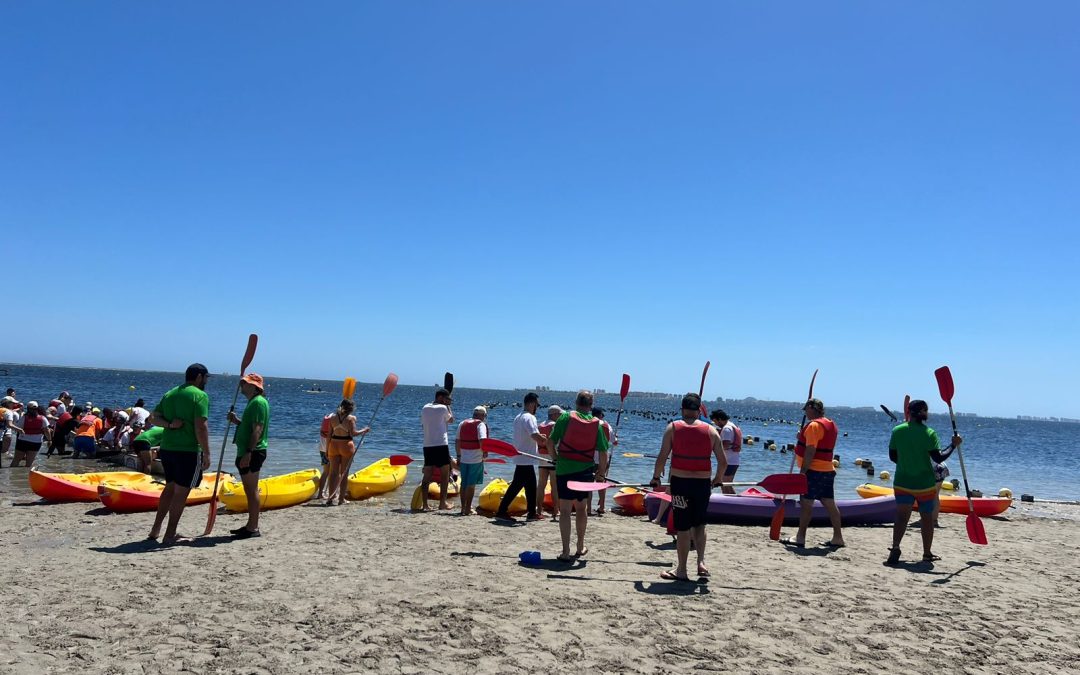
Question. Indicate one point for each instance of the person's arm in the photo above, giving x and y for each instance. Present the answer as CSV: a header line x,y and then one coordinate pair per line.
x,y
353,431
557,432
721,458
457,443
940,456
202,434
661,459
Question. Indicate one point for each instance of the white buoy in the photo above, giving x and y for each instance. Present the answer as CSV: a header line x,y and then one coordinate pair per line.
x,y
1005,492
884,475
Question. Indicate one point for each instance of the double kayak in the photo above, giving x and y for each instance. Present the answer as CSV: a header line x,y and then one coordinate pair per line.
x,y
984,506
756,507
78,487
492,494
275,492
144,495
376,479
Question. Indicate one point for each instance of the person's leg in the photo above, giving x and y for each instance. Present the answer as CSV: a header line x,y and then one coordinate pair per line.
x,y
565,507
541,481
903,514
835,520
528,479
343,476
512,491
466,498
556,503
937,504
699,544
444,486
324,474
163,509
335,477
682,552
251,490
582,523
600,502
425,483
729,476
177,502
806,510
927,514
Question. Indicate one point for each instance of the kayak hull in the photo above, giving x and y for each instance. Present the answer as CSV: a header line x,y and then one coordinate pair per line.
x,y
275,492
759,510
984,506
630,501
376,479
77,487
142,496
492,494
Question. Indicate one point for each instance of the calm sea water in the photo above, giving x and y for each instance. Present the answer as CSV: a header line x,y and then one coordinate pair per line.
x,y
1039,458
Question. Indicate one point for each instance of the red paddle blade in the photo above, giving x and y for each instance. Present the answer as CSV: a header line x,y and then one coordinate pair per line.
x,y
776,523
907,408
498,447
976,532
701,389
704,412
212,516
448,382
945,384
253,342
625,389
582,486
495,460
400,460
389,385
785,484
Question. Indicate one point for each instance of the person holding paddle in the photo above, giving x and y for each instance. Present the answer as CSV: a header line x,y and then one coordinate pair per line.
x,y
526,437
185,447
691,443
912,446
435,418
814,453
580,449
251,444
341,449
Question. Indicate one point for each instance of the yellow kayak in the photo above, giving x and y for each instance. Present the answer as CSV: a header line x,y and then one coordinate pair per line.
x,y
276,492
492,495
376,479
434,489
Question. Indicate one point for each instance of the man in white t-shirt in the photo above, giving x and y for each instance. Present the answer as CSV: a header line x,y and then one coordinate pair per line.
x,y
470,455
139,415
9,422
436,418
526,436
731,436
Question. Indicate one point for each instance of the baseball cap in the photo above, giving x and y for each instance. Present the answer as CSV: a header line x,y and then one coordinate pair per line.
x,y
816,404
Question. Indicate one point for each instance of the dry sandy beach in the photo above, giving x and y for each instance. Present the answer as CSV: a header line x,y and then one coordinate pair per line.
x,y
367,587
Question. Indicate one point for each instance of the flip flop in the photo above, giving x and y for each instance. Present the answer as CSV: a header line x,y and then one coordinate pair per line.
x,y
894,556
829,544
930,557
788,541
563,558
668,575
582,553
702,574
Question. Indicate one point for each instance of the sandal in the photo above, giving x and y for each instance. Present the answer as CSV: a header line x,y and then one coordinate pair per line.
x,y
790,541
894,556
564,558
930,557
668,575
702,571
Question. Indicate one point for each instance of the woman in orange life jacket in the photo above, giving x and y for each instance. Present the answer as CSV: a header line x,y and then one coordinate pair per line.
x,y
692,443
34,430
814,453
547,471
581,454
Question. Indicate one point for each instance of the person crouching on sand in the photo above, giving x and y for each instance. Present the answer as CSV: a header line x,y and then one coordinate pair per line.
x,y
251,444
581,454
341,450
691,443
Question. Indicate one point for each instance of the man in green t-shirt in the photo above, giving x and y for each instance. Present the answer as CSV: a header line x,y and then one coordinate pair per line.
x,y
251,444
182,412
580,448
912,446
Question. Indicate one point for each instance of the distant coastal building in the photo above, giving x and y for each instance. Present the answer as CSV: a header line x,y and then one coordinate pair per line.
x,y
542,388
1031,418
597,392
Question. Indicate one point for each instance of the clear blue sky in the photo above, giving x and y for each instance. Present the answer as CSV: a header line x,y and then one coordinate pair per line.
x,y
552,193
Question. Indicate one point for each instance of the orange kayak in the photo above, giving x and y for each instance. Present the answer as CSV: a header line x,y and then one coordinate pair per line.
x,y
984,506
631,501
77,487
145,495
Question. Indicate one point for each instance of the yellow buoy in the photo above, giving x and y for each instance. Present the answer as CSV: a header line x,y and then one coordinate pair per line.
x,y
884,475
947,486
772,446
1005,492
132,387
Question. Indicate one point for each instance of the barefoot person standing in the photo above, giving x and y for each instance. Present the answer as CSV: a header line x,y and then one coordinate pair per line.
x,y
435,418
731,436
251,445
341,449
691,443
581,454
547,470
470,456
185,447
912,446
814,453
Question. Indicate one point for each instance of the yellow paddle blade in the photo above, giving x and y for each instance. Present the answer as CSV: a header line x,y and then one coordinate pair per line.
x,y
349,388
632,454
418,498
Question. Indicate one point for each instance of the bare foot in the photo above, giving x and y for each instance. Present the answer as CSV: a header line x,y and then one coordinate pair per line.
x,y
444,507
702,571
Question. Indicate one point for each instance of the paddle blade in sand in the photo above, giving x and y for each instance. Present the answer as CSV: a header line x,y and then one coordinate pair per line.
x,y
418,498
777,522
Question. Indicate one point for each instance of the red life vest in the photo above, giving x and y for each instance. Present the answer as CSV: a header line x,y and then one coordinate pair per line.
x,y
33,426
469,434
324,428
545,431
823,457
691,446
736,443
578,444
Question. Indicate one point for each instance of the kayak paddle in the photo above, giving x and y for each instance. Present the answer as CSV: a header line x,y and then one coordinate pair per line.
x,y
778,518
976,531
348,388
405,460
889,413
448,382
495,446
701,391
776,483
388,386
253,343
623,391
907,406
638,454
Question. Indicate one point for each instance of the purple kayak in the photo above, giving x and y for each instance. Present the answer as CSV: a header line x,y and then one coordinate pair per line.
x,y
759,510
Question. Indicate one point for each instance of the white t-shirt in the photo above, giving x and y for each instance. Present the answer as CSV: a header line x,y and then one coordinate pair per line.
x,y
60,410
727,434
139,416
10,419
473,456
125,437
524,428
435,417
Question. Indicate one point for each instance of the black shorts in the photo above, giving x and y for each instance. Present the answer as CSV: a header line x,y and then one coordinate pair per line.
x,y
140,446
257,459
565,492
819,485
690,499
729,472
437,455
27,446
181,467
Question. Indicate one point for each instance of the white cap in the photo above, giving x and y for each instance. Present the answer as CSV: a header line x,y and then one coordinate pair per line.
x,y
479,410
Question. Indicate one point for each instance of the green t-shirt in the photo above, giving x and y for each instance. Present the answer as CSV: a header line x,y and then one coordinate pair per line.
x,y
913,444
565,466
188,403
257,411
151,436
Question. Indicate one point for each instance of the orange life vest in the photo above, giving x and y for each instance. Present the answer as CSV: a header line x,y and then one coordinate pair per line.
x,y
469,434
578,444
823,457
88,426
691,446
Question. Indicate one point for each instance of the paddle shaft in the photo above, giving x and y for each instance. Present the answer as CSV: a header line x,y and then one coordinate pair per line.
x,y
224,444
960,456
